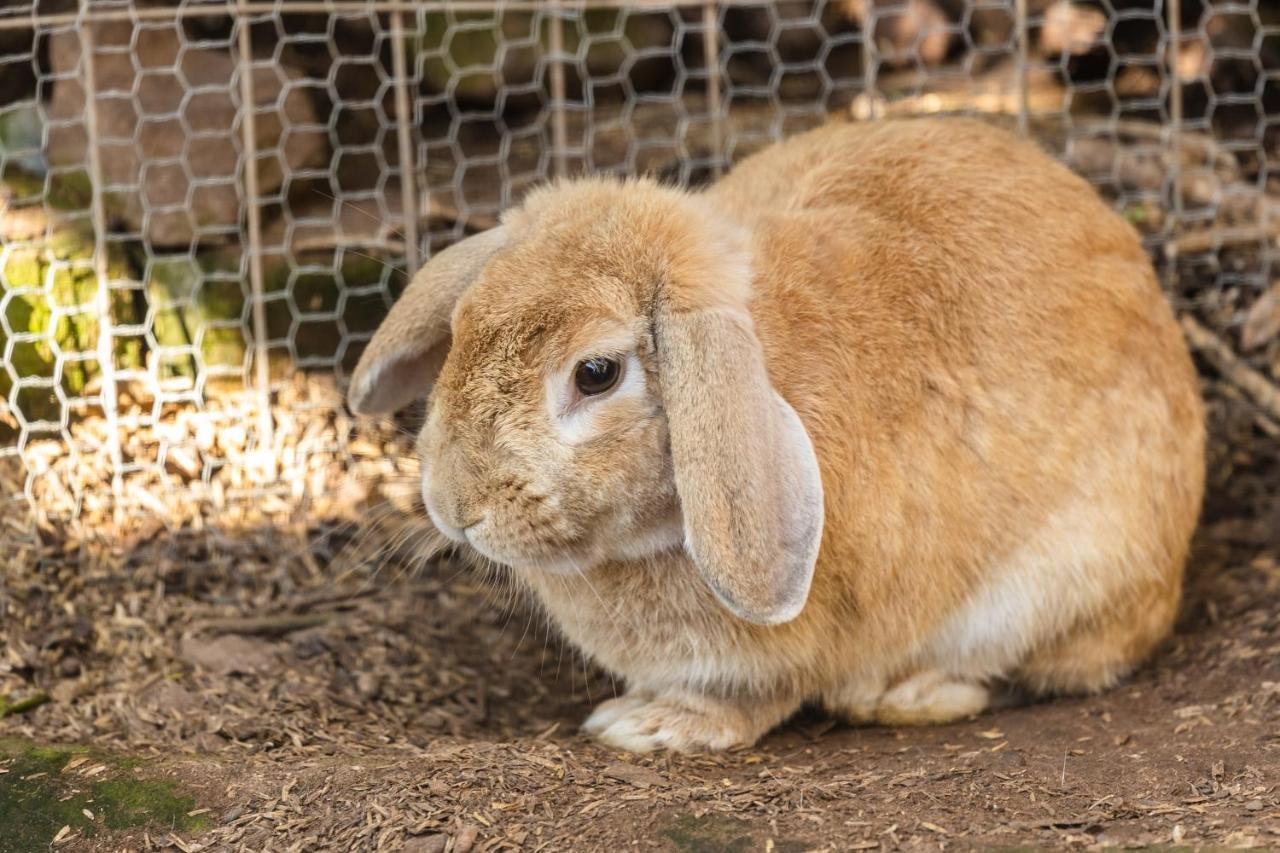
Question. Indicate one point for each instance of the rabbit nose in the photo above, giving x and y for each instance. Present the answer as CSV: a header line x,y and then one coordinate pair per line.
x,y
452,519
443,520
448,509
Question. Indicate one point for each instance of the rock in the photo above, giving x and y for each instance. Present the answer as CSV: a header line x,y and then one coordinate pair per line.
x,y
1071,29
229,654
21,138
916,33
122,796
167,117
479,57
426,844
757,38
316,297
633,774
48,290
169,699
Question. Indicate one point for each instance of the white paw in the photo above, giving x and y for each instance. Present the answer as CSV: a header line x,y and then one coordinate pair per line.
x,y
608,711
931,697
643,724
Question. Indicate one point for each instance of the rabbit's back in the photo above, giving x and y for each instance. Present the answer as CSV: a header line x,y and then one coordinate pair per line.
x,y
999,393
921,255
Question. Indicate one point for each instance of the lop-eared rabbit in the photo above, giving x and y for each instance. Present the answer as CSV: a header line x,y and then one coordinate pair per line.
x,y
891,413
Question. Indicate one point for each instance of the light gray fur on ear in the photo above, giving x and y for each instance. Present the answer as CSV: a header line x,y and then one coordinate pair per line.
x,y
802,506
748,479
406,353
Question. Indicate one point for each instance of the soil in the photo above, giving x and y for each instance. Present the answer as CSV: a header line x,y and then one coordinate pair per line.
x,y
299,676
312,688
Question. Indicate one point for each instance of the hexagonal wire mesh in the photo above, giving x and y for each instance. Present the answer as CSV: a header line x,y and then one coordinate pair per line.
x,y
206,207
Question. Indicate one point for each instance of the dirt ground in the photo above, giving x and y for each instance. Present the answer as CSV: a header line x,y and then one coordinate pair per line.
x,y
296,678
307,686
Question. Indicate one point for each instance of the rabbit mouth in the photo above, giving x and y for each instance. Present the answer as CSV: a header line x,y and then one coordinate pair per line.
x,y
538,557
569,558
577,555
452,533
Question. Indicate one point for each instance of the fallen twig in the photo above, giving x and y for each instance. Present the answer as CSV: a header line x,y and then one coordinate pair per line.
x,y
1224,360
22,706
1211,239
1198,143
1053,823
266,625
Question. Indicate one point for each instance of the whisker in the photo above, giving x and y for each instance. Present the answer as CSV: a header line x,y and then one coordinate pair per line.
x,y
359,210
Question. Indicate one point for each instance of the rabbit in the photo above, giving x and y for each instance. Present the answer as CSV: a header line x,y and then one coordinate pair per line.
x,y
893,416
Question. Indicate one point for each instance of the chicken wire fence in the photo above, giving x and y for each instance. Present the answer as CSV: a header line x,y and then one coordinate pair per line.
x,y
206,208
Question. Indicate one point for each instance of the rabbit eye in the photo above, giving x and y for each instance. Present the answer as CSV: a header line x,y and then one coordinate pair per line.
x,y
596,375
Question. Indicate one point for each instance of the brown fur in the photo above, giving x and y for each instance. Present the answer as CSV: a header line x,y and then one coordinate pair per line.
x,y
1001,405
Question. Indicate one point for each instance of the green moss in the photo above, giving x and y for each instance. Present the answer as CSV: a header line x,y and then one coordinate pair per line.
x,y
70,191
204,303
10,705
462,48
125,803
465,48
37,799
21,184
49,290
720,834
198,304
65,191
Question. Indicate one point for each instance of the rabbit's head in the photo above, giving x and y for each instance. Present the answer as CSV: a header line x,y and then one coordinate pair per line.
x,y
597,393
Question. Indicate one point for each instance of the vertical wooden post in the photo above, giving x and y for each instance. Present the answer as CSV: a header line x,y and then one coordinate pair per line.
x,y
559,93
101,267
870,89
711,57
1023,65
249,139
404,133
1174,23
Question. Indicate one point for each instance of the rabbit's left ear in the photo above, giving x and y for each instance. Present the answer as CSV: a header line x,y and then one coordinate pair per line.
x,y
749,485
406,353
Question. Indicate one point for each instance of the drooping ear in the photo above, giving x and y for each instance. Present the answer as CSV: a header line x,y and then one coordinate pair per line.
x,y
749,485
406,353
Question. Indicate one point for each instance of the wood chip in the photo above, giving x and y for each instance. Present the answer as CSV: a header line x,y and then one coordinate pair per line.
x,y
1262,390
75,762
632,774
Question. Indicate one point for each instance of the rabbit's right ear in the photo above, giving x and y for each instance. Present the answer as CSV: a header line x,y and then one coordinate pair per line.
x,y
405,355
745,470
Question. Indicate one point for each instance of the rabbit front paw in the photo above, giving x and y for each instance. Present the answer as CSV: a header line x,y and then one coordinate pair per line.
x,y
640,722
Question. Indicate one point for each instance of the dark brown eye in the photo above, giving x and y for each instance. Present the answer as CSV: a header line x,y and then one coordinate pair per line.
x,y
596,375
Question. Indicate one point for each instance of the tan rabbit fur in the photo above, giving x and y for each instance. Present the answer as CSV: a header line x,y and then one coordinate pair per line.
x,y
1001,407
